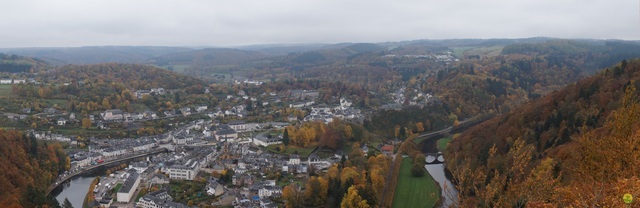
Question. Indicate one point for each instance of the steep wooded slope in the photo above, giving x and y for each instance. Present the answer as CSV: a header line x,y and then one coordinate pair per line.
x,y
569,147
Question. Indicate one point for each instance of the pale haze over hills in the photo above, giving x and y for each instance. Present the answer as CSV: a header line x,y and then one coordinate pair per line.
x,y
70,23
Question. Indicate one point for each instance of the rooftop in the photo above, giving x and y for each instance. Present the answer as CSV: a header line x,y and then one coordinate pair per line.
x,y
129,182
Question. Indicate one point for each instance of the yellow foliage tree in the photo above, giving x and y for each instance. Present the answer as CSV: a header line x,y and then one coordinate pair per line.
x,y
349,173
316,191
86,123
353,200
293,196
419,127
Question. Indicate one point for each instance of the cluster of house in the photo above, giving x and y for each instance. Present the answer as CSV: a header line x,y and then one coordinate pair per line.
x,y
238,111
117,115
251,82
47,135
445,57
344,111
209,132
189,158
137,174
118,147
249,165
159,199
114,115
12,81
181,166
402,97
154,91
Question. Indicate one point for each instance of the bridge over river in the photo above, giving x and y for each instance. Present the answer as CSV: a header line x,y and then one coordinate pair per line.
x,y
434,158
110,162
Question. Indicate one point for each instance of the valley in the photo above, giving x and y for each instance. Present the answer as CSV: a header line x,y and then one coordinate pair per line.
x,y
320,125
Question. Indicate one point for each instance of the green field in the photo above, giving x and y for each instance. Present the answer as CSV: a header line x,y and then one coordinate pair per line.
x,y
5,90
442,143
461,52
302,151
415,191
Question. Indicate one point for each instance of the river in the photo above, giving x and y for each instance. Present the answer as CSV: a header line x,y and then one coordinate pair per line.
x,y
449,192
76,189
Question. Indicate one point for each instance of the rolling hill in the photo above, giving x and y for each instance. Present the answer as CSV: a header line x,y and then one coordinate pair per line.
x,y
95,54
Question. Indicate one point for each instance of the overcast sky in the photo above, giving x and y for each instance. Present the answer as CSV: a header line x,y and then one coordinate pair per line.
x,y
47,23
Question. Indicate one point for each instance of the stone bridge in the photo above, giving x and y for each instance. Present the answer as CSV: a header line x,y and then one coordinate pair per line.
x,y
434,158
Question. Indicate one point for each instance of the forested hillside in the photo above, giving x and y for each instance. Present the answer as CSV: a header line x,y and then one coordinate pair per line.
x,y
574,147
495,83
131,75
28,168
523,72
20,64
105,86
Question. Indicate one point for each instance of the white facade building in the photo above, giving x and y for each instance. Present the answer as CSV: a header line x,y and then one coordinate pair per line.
x,y
187,171
128,187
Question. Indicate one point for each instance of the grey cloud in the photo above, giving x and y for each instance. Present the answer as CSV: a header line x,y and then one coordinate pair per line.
x,y
33,23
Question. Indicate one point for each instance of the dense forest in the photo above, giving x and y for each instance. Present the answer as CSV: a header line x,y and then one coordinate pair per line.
x,y
573,147
28,168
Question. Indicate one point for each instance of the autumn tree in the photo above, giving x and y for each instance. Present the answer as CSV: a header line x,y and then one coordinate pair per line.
x,y
349,173
348,132
86,123
316,191
353,199
105,103
419,127
293,196
606,157
418,169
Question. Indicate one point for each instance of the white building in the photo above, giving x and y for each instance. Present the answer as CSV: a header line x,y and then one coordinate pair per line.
x,y
112,114
158,199
188,171
62,121
201,108
261,140
113,152
226,135
294,160
182,140
128,187
269,191
238,126
144,147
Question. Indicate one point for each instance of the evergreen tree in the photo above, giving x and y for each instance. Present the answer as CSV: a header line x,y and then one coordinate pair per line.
x,y
285,137
177,98
249,106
